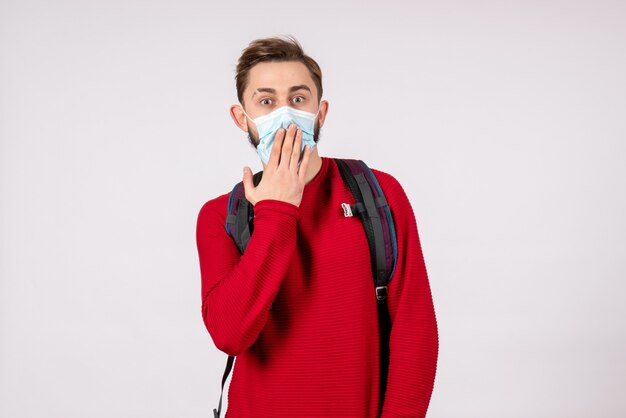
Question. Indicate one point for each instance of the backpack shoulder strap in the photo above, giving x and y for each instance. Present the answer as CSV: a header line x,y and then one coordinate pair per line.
x,y
239,223
229,365
371,205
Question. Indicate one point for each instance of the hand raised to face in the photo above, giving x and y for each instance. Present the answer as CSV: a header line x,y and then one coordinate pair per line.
x,y
284,175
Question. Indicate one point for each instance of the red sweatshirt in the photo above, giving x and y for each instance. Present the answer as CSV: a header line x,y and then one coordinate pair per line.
x,y
298,308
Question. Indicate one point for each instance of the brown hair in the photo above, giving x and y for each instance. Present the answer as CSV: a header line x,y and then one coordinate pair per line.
x,y
276,49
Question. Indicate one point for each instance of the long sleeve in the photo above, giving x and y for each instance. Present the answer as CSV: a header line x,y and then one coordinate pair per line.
x,y
414,339
238,290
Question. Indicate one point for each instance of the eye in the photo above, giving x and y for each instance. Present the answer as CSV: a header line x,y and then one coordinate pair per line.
x,y
298,99
265,101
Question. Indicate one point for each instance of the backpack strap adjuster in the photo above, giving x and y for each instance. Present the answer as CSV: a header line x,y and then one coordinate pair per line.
x,y
356,209
347,210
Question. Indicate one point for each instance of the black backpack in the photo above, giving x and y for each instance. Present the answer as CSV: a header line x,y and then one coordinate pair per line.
x,y
371,205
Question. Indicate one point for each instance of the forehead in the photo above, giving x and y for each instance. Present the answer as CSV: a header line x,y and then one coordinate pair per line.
x,y
279,76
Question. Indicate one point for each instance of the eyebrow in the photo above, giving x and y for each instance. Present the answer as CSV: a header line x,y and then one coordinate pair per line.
x,y
300,87
273,91
264,90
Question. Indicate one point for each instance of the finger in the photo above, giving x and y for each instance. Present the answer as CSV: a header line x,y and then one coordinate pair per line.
x,y
295,153
304,165
248,184
279,137
288,145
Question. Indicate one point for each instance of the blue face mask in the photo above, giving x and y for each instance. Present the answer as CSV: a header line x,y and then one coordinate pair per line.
x,y
267,125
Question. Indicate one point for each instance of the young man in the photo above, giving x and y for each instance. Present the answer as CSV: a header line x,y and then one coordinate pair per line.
x,y
298,308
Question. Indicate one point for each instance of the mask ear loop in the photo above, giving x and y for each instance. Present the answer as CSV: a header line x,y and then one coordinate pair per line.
x,y
319,107
249,118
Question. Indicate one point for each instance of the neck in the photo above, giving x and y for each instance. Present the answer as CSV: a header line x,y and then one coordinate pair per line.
x,y
315,164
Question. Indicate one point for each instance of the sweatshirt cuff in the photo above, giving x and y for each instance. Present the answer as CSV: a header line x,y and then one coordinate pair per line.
x,y
276,206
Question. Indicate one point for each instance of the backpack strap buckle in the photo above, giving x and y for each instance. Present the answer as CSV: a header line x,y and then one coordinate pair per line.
x,y
381,293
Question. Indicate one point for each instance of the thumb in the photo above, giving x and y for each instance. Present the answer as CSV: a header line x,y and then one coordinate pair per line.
x,y
248,184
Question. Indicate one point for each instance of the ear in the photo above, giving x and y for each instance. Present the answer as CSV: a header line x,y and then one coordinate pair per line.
x,y
323,112
236,112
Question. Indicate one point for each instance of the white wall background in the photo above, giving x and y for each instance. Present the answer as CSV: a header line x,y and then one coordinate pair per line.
x,y
505,122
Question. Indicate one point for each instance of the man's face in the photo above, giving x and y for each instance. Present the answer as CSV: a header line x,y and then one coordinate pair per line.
x,y
276,84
